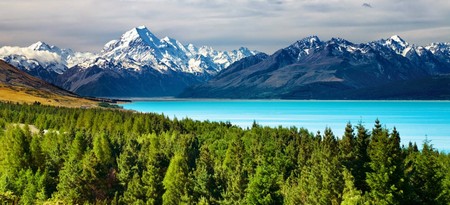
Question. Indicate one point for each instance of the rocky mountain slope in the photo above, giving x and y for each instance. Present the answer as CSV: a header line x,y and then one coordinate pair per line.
x,y
334,69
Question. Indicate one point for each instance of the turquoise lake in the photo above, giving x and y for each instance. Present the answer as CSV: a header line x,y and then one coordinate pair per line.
x,y
416,121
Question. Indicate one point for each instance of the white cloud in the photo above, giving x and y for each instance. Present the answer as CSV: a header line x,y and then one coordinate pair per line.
x,y
41,56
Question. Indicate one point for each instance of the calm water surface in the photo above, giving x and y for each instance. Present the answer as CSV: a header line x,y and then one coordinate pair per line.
x,y
415,120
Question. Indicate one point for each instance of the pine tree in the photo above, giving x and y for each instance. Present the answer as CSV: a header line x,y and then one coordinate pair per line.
x,y
424,177
102,149
361,164
350,195
128,162
397,163
291,191
377,128
444,160
263,187
153,175
175,181
16,150
205,185
235,175
37,156
135,193
386,176
70,187
321,179
15,160
33,186
347,147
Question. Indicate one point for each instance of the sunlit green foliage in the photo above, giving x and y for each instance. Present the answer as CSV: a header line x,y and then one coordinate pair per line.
x,y
98,156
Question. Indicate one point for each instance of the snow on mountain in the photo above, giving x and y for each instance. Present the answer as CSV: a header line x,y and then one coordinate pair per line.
x,y
403,48
69,58
43,56
440,50
139,50
41,46
385,47
443,48
139,47
334,69
136,49
29,59
397,44
337,46
305,46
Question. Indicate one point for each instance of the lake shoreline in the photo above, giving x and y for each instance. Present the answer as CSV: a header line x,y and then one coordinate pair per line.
x,y
415,120
156,99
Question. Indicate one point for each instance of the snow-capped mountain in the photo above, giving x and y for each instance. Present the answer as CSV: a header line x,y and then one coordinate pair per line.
x,y
336,69
397,44
43,60
137,52
139,47
134,50
140,64
46,56
305,46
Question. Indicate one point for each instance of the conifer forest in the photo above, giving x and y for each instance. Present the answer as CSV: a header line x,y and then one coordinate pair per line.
x,y
58,155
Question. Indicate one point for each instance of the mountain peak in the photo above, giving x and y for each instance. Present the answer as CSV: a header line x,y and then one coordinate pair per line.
x,y
311,39
141,27
398,40
308,42
40,46
397,44
140,32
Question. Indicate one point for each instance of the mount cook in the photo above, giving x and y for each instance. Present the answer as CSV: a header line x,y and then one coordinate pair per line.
x,y
139,64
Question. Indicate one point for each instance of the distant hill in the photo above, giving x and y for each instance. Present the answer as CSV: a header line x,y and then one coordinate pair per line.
x,y
336,69
18,86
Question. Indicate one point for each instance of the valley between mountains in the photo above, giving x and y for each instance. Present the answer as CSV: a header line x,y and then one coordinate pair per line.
x,y
139,64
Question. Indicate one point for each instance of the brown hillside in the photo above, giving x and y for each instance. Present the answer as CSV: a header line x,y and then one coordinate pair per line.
x,y
18,86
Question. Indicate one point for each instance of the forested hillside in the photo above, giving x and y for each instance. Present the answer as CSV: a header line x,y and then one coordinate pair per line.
x,y
87,156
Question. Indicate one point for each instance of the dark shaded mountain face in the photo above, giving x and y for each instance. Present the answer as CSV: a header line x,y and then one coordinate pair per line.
x,y
97,82
34,69
15,78
335,69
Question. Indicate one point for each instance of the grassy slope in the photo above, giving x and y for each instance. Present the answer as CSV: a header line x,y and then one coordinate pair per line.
x,y
18,86
27,95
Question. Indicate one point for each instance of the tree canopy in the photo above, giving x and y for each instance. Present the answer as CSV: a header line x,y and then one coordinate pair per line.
x,y
104,156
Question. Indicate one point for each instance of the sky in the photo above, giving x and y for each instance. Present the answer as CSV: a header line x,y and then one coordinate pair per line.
x,y
264,25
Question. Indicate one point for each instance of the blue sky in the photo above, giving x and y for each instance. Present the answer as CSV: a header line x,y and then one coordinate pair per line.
x,y
265,25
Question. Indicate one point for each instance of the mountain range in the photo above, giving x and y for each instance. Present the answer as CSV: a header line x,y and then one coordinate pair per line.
x,y
336,69
138,64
